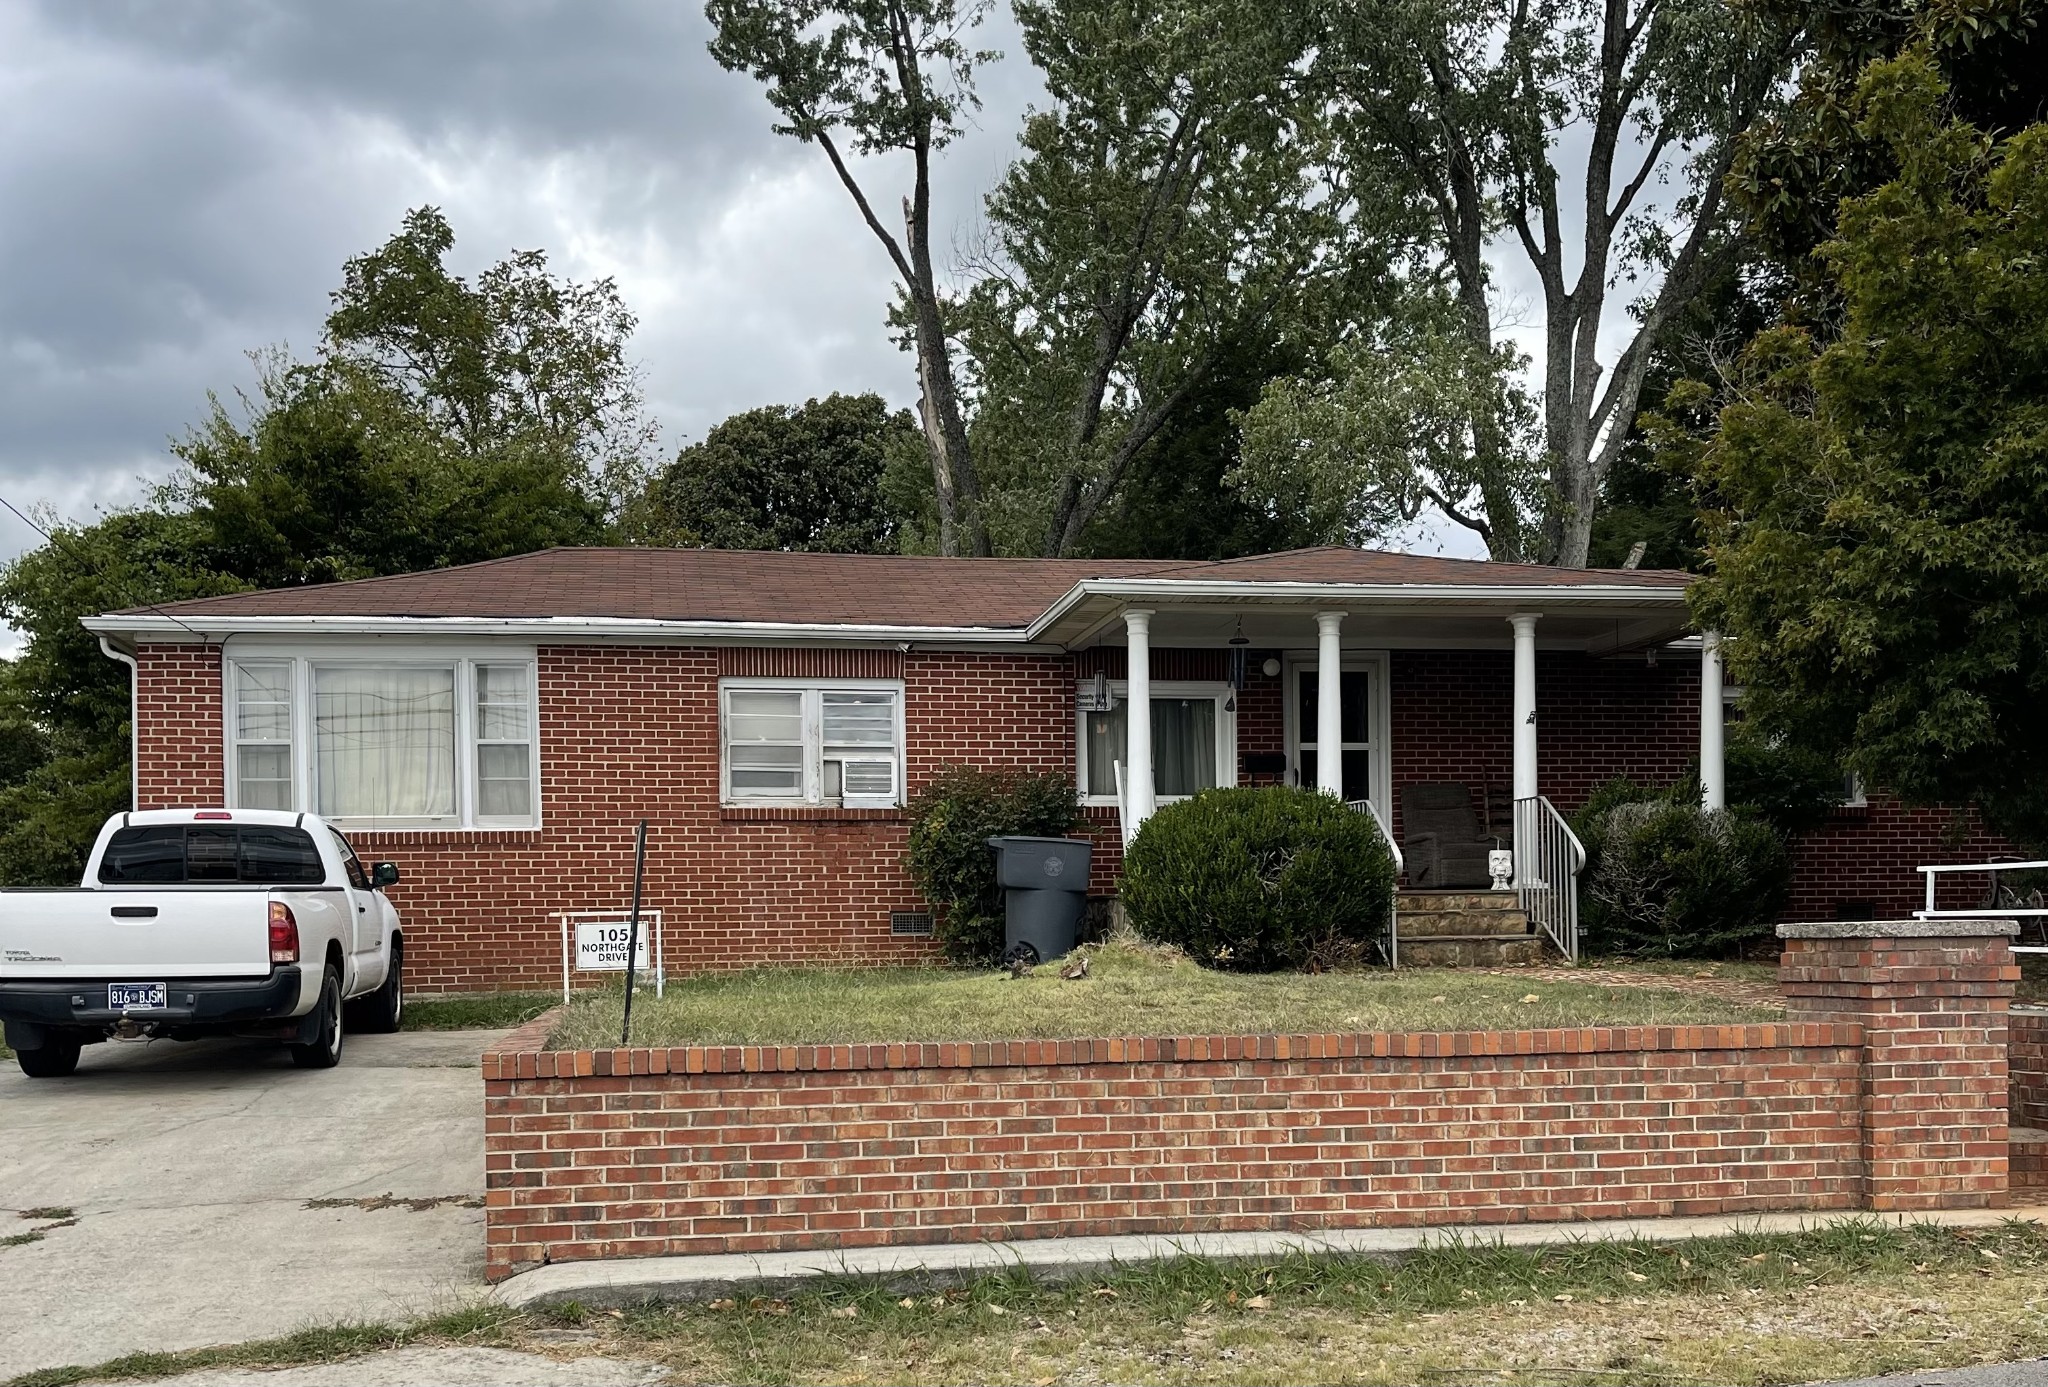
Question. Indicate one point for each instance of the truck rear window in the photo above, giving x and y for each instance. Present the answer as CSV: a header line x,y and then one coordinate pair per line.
x,y
196,854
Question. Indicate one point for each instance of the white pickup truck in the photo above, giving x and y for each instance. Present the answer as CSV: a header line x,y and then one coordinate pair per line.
x,y
203,922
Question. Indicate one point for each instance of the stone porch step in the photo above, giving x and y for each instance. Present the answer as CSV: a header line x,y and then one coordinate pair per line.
x,y
1469,950
1464,929
1508,924
1407,901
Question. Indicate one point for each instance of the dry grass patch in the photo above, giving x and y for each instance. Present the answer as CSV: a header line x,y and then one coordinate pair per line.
x,y
1851,1298
1131,989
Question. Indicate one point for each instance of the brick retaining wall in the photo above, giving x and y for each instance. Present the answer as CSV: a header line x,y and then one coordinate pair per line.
x,y
622,1153
1887,1089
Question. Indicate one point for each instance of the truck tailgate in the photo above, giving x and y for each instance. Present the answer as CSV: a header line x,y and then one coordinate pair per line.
x,y
147,933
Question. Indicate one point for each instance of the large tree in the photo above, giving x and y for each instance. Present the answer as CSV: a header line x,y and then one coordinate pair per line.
x,y
1174,200
886,77
1880,543
441,423
807,478
1586,143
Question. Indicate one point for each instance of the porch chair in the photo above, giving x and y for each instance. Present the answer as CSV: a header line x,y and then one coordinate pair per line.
x,y
1442,839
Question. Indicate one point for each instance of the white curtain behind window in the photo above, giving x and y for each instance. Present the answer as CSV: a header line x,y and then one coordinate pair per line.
x,y
384,742
1183,746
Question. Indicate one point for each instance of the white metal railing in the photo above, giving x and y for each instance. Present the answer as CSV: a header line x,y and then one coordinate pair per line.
x,y
1367,807
1123,807
1993,909
1548,860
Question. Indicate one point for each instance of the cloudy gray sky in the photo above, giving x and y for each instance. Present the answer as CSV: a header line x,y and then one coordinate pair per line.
x,y
180,183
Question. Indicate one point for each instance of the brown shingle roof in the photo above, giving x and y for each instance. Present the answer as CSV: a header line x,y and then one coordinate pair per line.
x,y
831,589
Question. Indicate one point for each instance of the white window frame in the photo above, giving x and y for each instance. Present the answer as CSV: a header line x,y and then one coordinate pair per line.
x,y
231,699
812,794
1301,664
306,659
1120,690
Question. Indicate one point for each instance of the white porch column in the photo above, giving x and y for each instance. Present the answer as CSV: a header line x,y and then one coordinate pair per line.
x,y
1525,703
1525,737
1713,768
1138,797
1329,704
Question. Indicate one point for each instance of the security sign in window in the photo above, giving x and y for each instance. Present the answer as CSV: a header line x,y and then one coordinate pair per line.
x,y
601,948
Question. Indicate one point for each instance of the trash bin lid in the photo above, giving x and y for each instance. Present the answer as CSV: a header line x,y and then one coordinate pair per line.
x,y
1046,864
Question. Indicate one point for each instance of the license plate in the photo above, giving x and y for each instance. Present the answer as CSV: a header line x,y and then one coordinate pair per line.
x,y
135,996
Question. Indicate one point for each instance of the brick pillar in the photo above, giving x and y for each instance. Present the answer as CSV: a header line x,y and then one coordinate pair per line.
x,y
1932,998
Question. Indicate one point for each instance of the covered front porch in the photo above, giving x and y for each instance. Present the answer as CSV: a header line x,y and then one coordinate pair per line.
x,y
1466,722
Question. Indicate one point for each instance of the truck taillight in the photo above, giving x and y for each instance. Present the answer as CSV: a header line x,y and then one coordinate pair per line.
x,y
284,934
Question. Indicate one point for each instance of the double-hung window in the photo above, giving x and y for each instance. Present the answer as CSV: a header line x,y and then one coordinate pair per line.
x,y
797,742
1194,741
386,741
262,741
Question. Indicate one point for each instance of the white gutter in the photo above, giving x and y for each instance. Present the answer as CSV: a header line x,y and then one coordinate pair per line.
x,y
1153,589
134,728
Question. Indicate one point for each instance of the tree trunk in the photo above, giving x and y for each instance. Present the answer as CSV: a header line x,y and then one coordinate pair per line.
x,y
945,432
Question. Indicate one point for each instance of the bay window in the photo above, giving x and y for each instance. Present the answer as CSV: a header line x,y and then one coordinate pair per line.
x,y
798,742
387,741
1194,742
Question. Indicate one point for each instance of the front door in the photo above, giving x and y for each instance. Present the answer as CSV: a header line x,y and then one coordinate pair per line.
x,y
1361,718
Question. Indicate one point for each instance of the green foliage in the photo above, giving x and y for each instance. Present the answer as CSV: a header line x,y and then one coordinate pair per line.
x,y
1790,786
1259,880
951,820
1392,427
1490,113
1177,502
1880,543
1169,204
887,76
809,478
1673,880
442,423
521,366
1794,170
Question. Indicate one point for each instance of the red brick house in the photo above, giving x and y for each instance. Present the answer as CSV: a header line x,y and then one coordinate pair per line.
x,y
498,729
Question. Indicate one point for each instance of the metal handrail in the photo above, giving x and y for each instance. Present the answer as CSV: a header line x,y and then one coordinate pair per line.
x,y
1988,912
1372,810
1548,860
1123,810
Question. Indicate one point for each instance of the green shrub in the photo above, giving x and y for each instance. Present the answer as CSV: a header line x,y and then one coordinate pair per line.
x,y
1668,879
952,818
1259,880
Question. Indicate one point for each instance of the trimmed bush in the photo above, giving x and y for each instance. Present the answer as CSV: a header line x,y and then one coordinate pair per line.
x,y
952,818
1673,880
1261,880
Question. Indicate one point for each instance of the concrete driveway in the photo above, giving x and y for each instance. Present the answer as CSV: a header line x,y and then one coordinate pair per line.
x,y
222,1195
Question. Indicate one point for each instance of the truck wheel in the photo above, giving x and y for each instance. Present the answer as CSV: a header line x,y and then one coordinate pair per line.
x,y
53,1059
325,1051
379,1013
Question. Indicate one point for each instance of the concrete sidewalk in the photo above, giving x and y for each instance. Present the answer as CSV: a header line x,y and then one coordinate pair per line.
x,y
219,1195
629,1281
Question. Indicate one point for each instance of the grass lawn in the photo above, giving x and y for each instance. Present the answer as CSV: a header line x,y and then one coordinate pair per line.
x,y
1852,1298
476,1011
1131,989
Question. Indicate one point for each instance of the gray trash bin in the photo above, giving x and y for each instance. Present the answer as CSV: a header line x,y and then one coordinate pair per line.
x,y
1045,893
